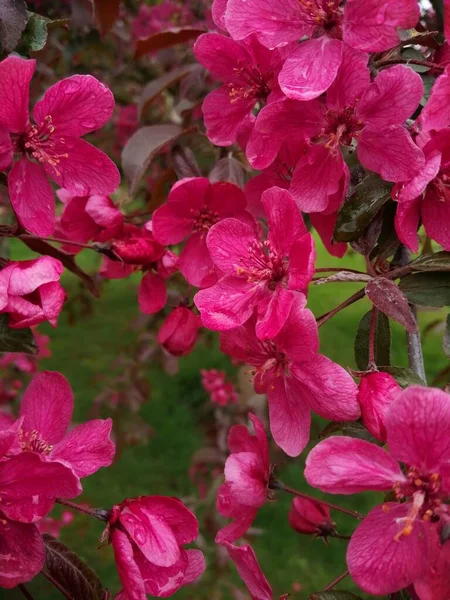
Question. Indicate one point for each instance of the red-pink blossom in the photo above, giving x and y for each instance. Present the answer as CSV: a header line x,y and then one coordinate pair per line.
x,y
194,205
249,75
250,572
179,332
221,392
376,393
148,535
247,474
295,377
51,146
30,291
153,19
372,114
390,549
309,516
267,275
53,526
311,68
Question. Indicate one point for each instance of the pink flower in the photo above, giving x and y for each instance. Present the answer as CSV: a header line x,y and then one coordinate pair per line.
x,y
390,549
30,291
44,417
179,332
127,120
250,572
376,393
51,146
355,109
153,19
368,25
249,75
221,392
247,474
266,275
295,377
308,516
53,526
194,205
148,535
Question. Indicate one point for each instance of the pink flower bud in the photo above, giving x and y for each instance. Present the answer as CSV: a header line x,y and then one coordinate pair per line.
x,y
138,250
221,392
179,331
376,393
310,516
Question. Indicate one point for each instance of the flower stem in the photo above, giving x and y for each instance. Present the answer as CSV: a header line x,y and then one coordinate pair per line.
x,y
415,354
338,270
277,485
26,236
25,592
99,513
331,585
354,298
338,536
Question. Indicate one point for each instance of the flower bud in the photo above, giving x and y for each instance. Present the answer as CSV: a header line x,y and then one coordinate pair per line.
x,y
179,331
310,516
376,393
137,250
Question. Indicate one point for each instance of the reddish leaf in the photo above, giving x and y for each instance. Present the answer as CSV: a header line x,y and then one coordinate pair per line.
x,y
13,19
106,13
228,169
184,162
156,86
166,39
142,148
388,298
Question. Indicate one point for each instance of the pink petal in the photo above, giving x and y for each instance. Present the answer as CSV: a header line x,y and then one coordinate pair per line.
x,y
290,417
407,223
298,338
372,26
28,275
226,199
392,97
87,447
273,311
77,105
262,148
418,184
329,389
417,426
83,169
284,219
301,263
435,218
52,300
126,566
6,149
15,77
228,243
311,68
257,186
317,178
243,516
47,406
152,293
227,304
196,566
221,55
376,393
246,478
324,225
76,224
276,22
250,572
218,13
381,564
32,197
196,264
436,112
223,117
162,582
352,80
103,211
435,583
22,553
344,465
390,152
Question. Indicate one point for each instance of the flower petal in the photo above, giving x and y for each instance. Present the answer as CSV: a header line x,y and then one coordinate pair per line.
x,y
436,112
22,553
243,516
352,80
152,293
284,219
250,572
223,115
127,568
15,77
196,264
246,478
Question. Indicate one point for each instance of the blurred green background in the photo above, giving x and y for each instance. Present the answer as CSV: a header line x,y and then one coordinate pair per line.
x,y
86,350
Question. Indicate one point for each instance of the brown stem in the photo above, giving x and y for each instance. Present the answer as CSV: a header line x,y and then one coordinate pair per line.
x,y
277,485
354,298
98,513
25,592
400,272
338,270
372,337
26,236
341,537
408,61
331,585
57,585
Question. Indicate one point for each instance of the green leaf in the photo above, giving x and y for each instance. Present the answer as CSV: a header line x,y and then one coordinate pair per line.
x,y
334,595
35,35
362,206
446,340
16,340
354,429
383,341
415,55
427,289
439,261
403,376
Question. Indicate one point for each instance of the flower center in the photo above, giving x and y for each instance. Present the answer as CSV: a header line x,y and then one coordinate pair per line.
x,y
441,187
204,219
250,83
341,128
263,263
277,361
30,441
326,14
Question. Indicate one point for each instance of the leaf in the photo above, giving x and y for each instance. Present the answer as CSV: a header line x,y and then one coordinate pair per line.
x,y
422,38
142,148
157,86
347,276
334,595
382,338
16,340
427,289
74,577
184,162
387,297
439,261
106,13
446,339
354,429
41,247
166,39
362,206
414,54
228,169
13,20
402,375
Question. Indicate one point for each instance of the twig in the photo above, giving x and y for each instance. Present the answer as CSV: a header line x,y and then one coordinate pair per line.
x,y
57,585
331,585
338,270
415,354
26,236
354,298
25,592
99,513
408,61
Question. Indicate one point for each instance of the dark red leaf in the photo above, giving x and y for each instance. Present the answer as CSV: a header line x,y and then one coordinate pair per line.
x,y
106,13
156,86
228,169
166,39
387,297
13,19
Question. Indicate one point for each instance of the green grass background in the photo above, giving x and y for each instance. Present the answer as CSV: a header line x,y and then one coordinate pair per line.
x,y
86,350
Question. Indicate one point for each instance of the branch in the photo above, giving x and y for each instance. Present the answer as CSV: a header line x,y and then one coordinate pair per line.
x,y
331,585
25,592
99,513
357,296
415,354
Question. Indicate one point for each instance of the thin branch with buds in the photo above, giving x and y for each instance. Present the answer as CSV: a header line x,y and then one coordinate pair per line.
x,y
354,298
331,585
99,513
